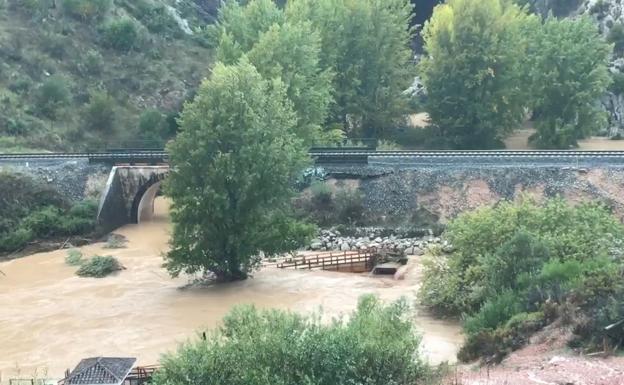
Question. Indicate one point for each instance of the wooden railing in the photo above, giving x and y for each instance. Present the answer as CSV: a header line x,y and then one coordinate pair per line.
x,y
332,260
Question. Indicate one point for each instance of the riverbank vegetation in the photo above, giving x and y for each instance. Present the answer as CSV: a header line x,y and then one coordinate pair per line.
x,y
32,211
519,266
375,345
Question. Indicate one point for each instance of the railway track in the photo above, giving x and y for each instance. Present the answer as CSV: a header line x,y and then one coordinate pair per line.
x,y
333,156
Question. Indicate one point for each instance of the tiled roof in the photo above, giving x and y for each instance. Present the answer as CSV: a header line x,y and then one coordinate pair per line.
x,y
101,371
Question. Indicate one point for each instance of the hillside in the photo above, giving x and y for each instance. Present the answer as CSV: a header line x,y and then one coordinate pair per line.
x,y
78,74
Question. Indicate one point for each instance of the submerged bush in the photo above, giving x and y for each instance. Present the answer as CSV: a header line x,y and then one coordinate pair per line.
x,y
99,267
375,345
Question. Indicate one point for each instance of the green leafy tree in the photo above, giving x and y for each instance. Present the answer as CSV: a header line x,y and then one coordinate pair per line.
x,y
239,26
474,70
376,345
367,45
283,50
233,164
291,52
570,73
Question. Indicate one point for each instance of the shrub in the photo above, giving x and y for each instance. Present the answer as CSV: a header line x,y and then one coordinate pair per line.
x,y
21,194
121,34
493,313
15,240
617,86
92,63
99,113
153,127
519,257
98,267
616,37
73,258
51,96
376,345
86,9
349,206
45,222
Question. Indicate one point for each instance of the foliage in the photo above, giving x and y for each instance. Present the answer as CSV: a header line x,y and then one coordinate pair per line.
x,y
31,210
493,313
375,345
617,83
616,37
121,34
570,73
325,207
279,49
52,95
153,126
98,267
86,10
524,257
74,258
239,128
99,113
20,195
474,70
367,45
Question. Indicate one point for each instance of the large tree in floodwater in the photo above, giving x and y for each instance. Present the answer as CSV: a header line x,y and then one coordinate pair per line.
x,y
232,167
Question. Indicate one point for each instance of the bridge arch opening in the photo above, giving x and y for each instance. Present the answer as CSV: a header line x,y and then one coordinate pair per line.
x,y
143,202
145,209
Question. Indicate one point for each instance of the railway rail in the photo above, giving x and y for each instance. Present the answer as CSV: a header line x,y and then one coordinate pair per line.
x,y
346,155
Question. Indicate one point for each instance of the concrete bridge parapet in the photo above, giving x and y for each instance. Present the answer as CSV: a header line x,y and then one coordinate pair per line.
x,y
129,195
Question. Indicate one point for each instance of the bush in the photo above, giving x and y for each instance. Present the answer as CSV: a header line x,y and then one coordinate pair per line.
x,y
92,63
45,222
15,240
376,345
74,258
349,206
493,313
99,114
51,96
153,127
616,37
99,267
121,34
523,257
86,9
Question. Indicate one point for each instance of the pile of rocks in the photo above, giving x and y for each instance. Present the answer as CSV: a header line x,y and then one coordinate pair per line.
x,y
332,240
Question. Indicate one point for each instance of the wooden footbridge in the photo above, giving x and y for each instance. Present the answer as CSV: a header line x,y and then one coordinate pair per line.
x,y
360,260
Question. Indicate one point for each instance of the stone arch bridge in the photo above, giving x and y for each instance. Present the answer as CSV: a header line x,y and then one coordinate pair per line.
x,y
129,194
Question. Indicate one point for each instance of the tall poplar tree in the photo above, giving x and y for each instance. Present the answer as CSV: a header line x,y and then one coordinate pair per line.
x,y
232,168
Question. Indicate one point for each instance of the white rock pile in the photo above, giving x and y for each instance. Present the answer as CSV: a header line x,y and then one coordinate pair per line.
x,y
332,240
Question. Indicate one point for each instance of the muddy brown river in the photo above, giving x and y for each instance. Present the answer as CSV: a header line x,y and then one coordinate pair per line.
x,y
50,318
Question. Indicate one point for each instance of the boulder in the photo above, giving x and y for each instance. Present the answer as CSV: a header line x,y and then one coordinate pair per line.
x,y
316,244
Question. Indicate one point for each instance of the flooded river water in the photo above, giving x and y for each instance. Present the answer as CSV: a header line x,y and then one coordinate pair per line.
x,y
50,318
